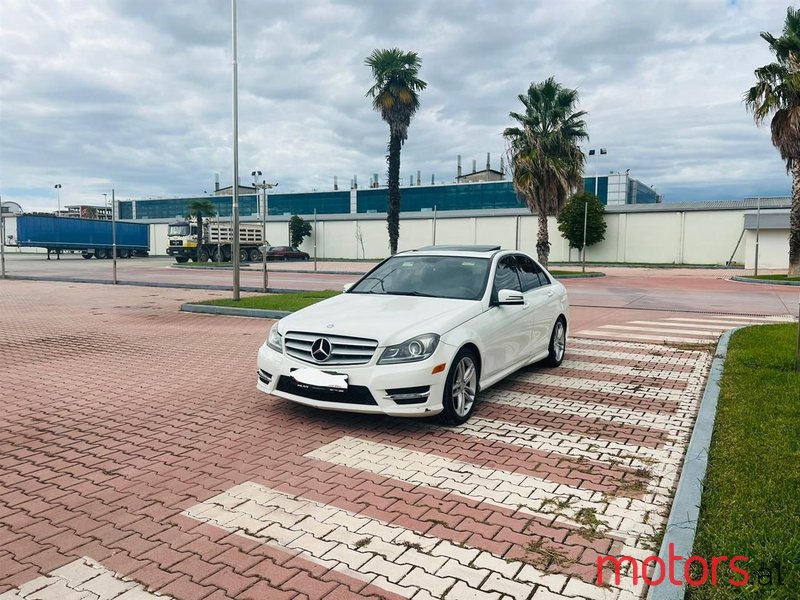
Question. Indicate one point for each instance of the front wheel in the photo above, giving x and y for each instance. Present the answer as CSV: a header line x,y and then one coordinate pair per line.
x,y
558,344
461,388
181,259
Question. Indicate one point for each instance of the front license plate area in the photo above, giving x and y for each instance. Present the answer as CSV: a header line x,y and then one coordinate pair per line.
x,y
316,379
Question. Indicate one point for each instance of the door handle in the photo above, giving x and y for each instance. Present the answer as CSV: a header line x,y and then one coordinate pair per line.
x,y
550,294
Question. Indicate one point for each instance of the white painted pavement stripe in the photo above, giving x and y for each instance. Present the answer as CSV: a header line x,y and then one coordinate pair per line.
x,y
645,359
649,351
394,558
81,579
651,371
626,517
661,330
636,336
559,442
585,409
592,385
737,319
719,327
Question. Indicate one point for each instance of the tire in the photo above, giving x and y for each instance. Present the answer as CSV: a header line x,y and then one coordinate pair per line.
x,y
243,257
204,256
124,253
181,259
255,255
558,344
100,253
216,255
87,255
226,255
456,400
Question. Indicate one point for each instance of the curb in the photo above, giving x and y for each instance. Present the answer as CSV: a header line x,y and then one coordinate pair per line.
x,y
763,281
233,311
682,522
259,270
579,276
158,284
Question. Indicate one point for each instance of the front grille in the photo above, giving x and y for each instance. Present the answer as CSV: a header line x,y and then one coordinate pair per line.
x,y
344,350
355,394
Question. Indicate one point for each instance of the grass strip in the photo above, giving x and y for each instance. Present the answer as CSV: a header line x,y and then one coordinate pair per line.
x,y
751,499
288,302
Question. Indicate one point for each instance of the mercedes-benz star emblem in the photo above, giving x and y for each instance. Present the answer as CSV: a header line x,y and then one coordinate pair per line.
x,y
321,349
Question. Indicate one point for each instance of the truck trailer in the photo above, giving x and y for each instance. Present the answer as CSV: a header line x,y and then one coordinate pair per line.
x,y
217,241
90,237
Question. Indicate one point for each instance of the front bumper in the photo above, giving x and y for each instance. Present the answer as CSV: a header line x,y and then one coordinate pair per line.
x,y
400,390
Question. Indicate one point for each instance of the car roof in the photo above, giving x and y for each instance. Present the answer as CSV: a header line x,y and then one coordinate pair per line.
x,y
472,251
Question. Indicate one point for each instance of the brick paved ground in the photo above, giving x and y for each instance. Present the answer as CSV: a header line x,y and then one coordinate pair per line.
x,y
136,457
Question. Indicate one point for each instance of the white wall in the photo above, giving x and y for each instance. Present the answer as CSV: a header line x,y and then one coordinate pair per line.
x,y
691,237
773,249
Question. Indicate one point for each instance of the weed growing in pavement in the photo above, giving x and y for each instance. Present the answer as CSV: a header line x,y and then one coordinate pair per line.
x,y
592,527
362,542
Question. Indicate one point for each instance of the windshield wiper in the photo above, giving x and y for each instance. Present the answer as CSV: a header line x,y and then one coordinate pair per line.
x,y
412,294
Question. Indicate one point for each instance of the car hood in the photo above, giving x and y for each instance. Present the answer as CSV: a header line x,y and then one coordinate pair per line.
x,y
386,318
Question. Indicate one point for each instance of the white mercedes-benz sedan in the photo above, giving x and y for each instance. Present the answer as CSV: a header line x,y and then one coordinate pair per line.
x,y
420,334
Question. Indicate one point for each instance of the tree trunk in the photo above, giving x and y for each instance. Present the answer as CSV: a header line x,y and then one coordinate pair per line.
x,y
794,222
543,239
393,208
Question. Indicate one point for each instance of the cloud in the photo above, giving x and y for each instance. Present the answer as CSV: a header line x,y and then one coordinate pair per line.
x,y
136,94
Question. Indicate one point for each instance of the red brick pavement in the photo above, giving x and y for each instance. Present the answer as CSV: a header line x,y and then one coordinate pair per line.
x,y
119,413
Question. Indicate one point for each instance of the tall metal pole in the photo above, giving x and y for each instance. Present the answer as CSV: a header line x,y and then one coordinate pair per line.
x,y
758,230
58,192
114,236
235,205
434,225
315,239
265,210
797,359
583,248
2,242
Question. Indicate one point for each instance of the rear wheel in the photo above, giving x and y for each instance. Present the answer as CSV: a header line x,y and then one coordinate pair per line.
x,y
217,255
124,253
558,344
461,388
181,259
100,253
243,257
204,256
255,255
87,255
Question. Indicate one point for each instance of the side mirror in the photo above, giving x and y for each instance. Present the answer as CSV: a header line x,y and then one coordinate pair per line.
x,y
509,297
347,286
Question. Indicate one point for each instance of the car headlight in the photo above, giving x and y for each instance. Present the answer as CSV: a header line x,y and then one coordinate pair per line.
x,y
275,339
417,348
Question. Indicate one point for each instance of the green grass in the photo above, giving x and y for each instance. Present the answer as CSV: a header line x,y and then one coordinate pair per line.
x,y
751,501
290,302
772,277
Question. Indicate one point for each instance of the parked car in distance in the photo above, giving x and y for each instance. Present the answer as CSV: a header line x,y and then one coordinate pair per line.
x,y
285,253
420,334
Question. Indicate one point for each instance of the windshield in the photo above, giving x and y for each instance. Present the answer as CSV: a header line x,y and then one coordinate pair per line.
x,y
178,230
433,276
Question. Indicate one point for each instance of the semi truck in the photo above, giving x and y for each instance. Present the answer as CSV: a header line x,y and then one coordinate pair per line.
x,y
90,237
217,241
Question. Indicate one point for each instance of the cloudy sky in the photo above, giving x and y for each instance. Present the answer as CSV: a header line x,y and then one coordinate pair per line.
x,y
136,94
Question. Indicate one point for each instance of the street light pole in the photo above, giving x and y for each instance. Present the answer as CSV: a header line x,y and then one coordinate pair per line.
x,y
113,237
758,231
3,241
235,204
263,186
58,192
583,248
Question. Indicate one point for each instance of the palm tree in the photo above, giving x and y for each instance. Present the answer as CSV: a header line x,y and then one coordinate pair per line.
x,y
199,208
395,94
544,154
777,93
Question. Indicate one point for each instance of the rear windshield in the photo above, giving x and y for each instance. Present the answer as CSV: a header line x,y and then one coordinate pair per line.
x,y
434,276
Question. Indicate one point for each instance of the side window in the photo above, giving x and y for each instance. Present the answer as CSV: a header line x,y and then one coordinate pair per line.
x,y
544,279
506,277
530,274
